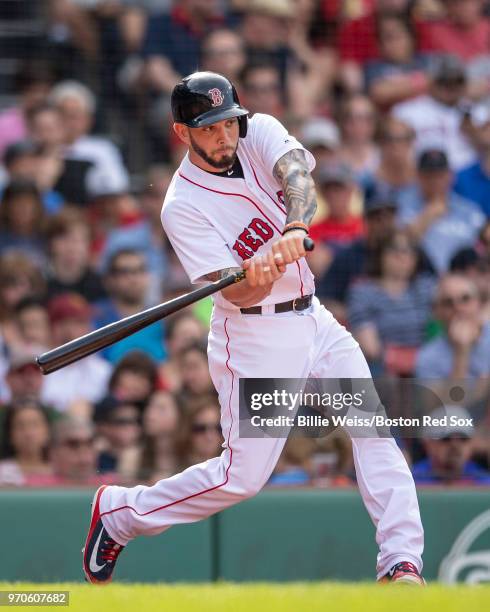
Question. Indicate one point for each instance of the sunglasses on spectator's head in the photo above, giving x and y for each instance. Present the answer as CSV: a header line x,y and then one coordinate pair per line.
x,y
449,301
200,428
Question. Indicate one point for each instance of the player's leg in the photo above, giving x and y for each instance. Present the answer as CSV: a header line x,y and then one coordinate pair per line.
x,y
383,476
239,347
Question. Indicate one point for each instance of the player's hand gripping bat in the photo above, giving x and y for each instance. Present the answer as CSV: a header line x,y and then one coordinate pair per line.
x,y
109,334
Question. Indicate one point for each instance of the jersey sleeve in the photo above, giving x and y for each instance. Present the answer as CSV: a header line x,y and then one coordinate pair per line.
x,y
271,140
198,245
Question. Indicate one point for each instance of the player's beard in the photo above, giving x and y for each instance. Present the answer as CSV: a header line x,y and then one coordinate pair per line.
x,y
224,163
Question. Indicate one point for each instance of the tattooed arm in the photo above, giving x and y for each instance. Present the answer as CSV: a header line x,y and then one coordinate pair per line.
x,y
291,170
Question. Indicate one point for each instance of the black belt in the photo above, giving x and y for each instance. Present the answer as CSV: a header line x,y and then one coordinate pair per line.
x,y
298,304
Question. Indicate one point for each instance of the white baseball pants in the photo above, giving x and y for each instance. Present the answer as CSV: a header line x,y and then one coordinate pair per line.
x,y
288,345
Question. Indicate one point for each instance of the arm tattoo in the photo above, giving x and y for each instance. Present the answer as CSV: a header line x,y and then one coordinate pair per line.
x,y
219,274
291,170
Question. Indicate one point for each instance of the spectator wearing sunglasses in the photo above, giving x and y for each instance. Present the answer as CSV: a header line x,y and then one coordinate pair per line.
x,y
462,351
449,450
201,436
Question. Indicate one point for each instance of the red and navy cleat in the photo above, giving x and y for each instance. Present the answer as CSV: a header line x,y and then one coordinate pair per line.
x,y
404,573
100,551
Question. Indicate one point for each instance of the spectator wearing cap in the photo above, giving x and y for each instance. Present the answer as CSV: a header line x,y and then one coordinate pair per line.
x,y
388,311
77,106
437,217
437,117
400,73
119,431
321,137
127,282
24,445
74,455
22,220
473,182
68,237
462,351
396,170
475,264
358,127
24,379
350,263
341,227
84,381
449,450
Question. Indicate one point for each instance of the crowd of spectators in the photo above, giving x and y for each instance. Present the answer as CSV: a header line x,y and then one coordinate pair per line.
x,y
393,99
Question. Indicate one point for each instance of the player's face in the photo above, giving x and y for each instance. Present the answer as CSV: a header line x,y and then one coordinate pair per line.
x,y
214,146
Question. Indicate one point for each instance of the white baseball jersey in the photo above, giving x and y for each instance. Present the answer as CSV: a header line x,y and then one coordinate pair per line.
x,y
214,222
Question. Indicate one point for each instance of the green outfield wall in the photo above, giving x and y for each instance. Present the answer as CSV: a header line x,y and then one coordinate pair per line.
x,y
278,535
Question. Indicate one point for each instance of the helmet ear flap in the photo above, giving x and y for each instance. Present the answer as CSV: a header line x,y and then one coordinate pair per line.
x,y
242,126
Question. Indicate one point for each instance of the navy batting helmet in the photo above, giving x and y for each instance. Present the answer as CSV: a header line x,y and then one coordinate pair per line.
x,y
203,98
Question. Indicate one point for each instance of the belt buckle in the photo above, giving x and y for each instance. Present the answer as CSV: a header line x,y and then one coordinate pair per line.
x,y
294,305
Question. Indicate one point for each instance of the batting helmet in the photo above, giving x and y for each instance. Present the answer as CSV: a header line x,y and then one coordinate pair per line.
x,y
203,98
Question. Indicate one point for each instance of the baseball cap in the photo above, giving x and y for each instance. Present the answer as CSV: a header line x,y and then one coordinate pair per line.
x,y
21,148
68,306
432,160
460,428
336,173
320,132
378,197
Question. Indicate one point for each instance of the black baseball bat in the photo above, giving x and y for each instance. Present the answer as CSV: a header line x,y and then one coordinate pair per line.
x,y
109,334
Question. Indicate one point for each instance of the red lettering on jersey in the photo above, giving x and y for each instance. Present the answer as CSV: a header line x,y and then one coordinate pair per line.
x,y
249,240
242,250
262,229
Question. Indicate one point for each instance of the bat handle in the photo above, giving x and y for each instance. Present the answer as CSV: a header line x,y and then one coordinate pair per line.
x,y
308,244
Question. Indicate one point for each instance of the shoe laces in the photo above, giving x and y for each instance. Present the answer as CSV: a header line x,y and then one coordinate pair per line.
x,y
404,566
110,551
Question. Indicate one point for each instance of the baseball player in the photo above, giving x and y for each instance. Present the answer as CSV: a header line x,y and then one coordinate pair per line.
x,y
243,197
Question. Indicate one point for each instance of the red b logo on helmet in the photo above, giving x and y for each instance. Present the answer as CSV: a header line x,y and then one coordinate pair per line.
x,y
216,96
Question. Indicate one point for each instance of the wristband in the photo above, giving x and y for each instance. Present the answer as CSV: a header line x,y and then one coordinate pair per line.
x,y
295,225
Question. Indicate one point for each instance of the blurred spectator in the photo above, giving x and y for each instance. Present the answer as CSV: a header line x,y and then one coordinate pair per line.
x,y
26,160
463,350
469,263
32,322
400,73
396,170
200,432
127,283
196,380
146,236
74,455
449,450
77,105
350,264
321,137
134,379
262,89
182,329
161,421
464,32
68,244
24,379
295,466
19,278
119,432
473,182
70,317
223,51
33,83
440,219
341,227
437,117
22,220
24,445
358,127
388,312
